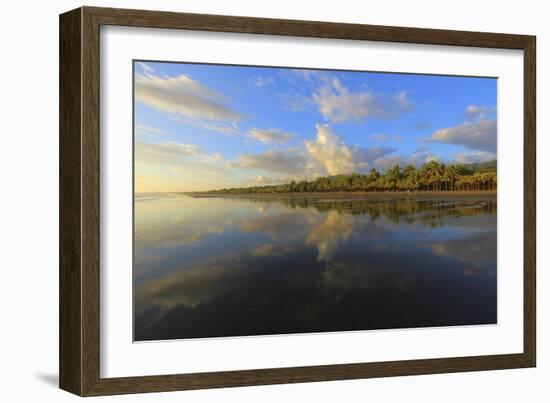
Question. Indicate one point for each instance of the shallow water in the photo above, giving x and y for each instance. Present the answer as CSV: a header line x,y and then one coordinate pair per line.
x,y
237,266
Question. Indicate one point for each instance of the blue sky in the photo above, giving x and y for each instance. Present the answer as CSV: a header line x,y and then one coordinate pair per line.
x,y
200,127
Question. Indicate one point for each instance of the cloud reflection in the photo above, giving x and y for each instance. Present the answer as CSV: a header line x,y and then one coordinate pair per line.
x,y
330,234
218,267
477,251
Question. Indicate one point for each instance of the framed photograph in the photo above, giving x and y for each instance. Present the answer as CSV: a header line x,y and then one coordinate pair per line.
x,y
249,201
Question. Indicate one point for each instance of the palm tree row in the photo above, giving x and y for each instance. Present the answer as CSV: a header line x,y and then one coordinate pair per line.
x,y
432,176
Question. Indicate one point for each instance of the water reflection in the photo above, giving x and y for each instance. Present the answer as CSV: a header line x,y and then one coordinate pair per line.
x,y
335,229
208,267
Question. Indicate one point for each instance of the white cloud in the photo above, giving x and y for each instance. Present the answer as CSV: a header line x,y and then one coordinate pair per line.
x,y
296,102
145,67
273,161
143,129
169,153
183,96
331,151
481,135
196,285
336,157
365,157
327,154
424,155
385,163
175,155
338,104
308,75
175,166
270,136
473,157
220,127
263,81
416,158
264,180
476,252
479,112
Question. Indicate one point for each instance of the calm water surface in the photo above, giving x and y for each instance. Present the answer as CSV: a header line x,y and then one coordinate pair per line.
x,y
227,266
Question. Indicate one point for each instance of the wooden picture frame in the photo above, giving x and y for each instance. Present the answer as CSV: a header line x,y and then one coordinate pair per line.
x,y
79,348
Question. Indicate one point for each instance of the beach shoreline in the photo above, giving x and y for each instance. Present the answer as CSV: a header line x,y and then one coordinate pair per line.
x,y
430,195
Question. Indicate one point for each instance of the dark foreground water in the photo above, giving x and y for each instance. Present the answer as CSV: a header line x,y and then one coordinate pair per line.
x,y
210,267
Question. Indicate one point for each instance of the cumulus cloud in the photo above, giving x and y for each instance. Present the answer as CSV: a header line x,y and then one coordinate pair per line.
x,y
270,136
327,154
481,135
331,151
183,96
339,158
477,112
338,104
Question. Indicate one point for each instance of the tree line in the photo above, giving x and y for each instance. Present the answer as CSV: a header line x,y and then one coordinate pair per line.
x,y
395,210
432,176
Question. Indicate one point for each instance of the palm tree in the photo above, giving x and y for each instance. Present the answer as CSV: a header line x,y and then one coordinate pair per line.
x,y
411,177
433,171
393,177
449,175
432,176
